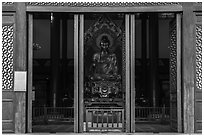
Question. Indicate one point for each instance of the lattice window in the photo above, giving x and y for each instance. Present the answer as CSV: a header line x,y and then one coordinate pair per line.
x,y
199,56
102,4
7,56
173,76
173,62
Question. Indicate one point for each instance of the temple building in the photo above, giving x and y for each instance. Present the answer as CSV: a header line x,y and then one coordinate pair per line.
x,y
96,67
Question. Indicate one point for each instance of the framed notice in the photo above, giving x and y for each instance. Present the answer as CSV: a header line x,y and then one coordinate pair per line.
x,y
20,78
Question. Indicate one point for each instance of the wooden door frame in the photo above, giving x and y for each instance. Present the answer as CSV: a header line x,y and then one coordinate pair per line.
x,y
75,7
132,71
178,74
188,64
30,73
127,72
81,73
76,73
78,50
129,40
79,78
183,7
178,60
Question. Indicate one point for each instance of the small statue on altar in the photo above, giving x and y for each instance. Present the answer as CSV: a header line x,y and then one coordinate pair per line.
x,y
104,66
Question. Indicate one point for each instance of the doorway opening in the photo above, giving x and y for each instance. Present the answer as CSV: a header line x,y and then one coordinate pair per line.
x,y
104,72
127,81
53,73
157,95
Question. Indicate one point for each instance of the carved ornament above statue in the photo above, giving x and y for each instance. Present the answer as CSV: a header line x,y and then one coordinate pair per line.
x,y
102,27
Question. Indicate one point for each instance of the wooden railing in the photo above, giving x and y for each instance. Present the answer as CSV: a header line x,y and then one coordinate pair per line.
x,y
104,119
48,114
152,114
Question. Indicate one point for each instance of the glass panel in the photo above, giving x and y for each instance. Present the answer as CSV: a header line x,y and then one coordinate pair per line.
x,y
53,72
104,71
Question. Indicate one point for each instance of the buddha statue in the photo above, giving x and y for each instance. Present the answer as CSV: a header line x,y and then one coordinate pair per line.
x,y
104,66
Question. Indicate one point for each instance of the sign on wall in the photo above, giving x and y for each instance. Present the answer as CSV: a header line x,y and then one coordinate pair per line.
x,y
20,80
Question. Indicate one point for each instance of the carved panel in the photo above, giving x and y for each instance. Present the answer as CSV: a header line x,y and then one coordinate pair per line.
x,y
173,62
199,56
101,4
7,3
103,26
123,64
173,77
7,56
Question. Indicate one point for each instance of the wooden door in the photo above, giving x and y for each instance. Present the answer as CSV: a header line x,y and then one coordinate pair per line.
x,y
175,74
8,43
14,64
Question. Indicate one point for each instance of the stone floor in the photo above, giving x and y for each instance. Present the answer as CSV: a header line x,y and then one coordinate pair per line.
x,y
53,128
151,127
69,128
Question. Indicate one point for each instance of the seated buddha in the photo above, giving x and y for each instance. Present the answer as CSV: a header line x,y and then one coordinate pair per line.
x,y
104,66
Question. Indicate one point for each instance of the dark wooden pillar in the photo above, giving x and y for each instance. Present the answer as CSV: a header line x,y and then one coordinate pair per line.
x,y
55,56
20,52
64,52
153,51
144,54
20,60
188,63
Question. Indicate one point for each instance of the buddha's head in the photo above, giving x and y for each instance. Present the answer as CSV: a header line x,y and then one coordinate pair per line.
x,y
104,43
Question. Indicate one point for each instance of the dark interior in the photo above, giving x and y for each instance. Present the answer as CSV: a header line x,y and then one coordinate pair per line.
x,y
53,69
